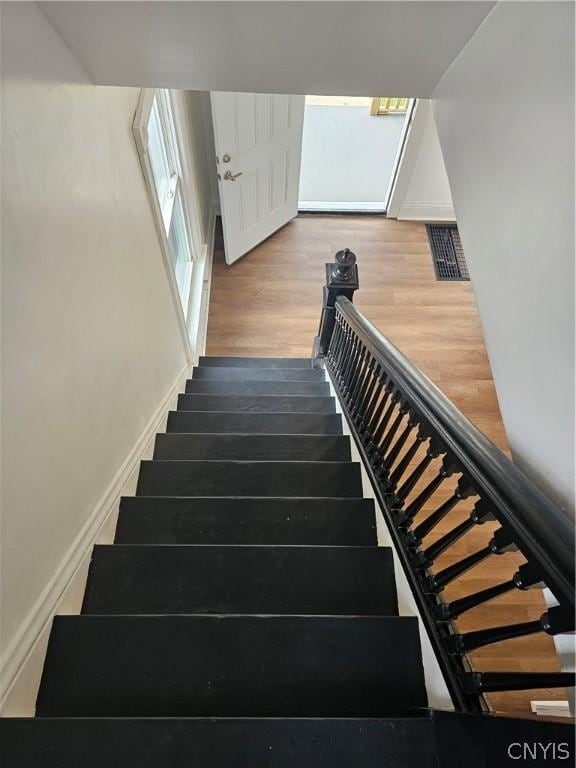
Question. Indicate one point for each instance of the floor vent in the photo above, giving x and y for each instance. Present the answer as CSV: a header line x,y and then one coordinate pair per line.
x,y
447,252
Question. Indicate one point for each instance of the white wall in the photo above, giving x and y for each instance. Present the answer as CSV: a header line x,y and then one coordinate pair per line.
x,y
505,117
428,195
91,345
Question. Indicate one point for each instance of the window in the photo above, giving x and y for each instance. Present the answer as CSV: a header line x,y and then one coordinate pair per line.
x,y
159,147
171,153
179,248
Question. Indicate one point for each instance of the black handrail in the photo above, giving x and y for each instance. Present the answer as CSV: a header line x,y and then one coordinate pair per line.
x,y
404,427
540,528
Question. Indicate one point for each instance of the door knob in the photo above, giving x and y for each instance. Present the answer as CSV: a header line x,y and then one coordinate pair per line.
x,y
226,158
229,176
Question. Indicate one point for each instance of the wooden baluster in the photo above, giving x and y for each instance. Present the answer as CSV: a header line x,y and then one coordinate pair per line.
x,y
380,428
500,542
351,341
377,407
363,375
368,402
352,373
526,577
399,472
485,682
332,354
482,512
447,469
336,343
432,452
357,374
393,429
353,370
343,353
368,385
394,452
463,491
461,644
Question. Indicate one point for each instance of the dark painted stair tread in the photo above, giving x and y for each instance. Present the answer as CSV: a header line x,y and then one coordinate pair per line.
x,y
216,743
232,666
253,447
257,403
310,388
241,579
255,362
219,373
249,478
263,423
321,521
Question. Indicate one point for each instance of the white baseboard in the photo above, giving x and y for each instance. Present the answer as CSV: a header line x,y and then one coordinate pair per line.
x,y
551,708
345,207
23,659
426,212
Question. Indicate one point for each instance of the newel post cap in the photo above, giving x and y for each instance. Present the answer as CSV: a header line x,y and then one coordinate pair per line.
x,y
343,269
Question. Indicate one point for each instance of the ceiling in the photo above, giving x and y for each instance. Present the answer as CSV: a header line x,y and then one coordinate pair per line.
x,y
339,48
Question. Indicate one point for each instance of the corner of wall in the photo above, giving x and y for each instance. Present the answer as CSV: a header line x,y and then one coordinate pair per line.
x,y
421,191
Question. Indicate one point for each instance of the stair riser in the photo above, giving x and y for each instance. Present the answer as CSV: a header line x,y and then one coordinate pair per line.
x,y
198,743
263,478
171,666
241,580
255,423
256,403
285,388
324,522
258,374
255,362
253,447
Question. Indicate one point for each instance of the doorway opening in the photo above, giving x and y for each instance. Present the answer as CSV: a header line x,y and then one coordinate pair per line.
x,y
350,147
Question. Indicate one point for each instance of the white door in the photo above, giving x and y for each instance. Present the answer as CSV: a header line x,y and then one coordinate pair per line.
x,y
258,144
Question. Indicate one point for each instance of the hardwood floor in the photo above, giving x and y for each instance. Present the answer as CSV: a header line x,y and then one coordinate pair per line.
x,y
268,304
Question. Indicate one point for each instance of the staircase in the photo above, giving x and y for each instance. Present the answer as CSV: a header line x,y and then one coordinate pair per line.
x,y
245,615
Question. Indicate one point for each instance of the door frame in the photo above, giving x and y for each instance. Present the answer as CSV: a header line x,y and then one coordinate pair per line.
x,y
396,183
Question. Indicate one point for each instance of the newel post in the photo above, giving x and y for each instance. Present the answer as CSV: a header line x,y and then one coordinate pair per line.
x,y
341,280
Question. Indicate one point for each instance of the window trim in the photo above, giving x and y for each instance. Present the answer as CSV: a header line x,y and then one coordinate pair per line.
x,y
140,131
